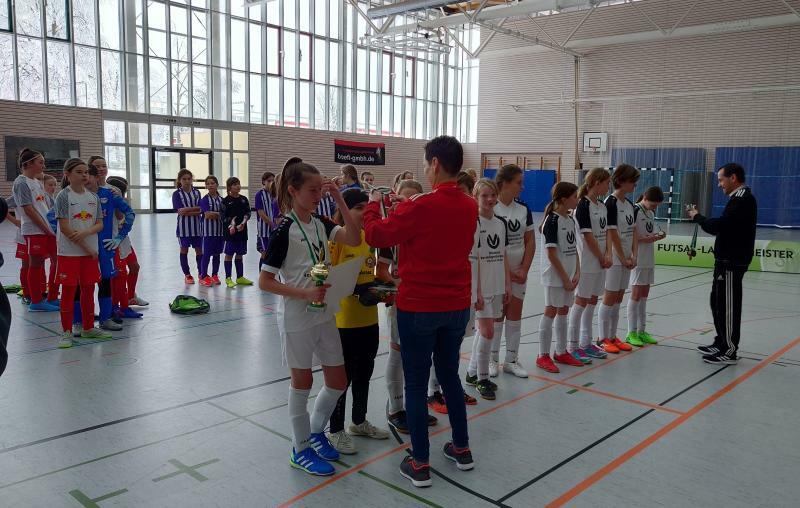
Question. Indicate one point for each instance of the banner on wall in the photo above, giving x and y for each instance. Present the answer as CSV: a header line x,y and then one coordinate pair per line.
x,y
769,255
356,152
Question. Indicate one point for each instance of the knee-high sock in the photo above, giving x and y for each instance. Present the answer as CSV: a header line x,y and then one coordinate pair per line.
x,y
215,265
35,287
587,332
633,315
228,268
545,335
642,314
77,315
323,407
185,263
498,335
87,306
52,285
604,316
574,327
133,279
67,307
433,382
394,380
298,417
560,331
23,281
239,262
204,265
614,320
513,333
199,261
484,350
472,368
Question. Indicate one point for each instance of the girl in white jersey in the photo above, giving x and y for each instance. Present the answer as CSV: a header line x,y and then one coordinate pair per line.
x,y
520,251
307,330
491,284
621,226
647,233
595,257
560,275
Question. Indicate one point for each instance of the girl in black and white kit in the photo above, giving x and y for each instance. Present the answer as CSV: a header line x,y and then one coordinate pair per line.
x,y
299,243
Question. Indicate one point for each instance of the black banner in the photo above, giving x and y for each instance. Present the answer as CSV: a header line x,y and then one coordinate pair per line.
x,y
356,152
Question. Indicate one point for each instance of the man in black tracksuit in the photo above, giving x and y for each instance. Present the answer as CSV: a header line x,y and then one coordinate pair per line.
x,y
733,250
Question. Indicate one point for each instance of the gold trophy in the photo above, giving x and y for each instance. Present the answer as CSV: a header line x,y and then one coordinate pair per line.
x,y
319,273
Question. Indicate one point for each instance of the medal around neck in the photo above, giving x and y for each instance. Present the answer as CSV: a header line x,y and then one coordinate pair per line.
x,y
319,274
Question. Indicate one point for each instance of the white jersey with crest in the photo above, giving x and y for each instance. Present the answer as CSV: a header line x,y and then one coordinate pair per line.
x,y
622,217
519,221
488,257
591,218
645,226
559,232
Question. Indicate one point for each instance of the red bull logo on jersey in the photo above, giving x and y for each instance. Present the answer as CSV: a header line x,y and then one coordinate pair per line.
x,y
83,215
40,197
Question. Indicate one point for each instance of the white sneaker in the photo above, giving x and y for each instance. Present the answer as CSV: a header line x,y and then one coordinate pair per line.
x,y
366,429
66,340
77,328
110,325
138,302
342,442
492,368
515,368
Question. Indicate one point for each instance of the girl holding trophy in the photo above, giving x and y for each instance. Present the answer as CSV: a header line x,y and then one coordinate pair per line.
x,y
298,252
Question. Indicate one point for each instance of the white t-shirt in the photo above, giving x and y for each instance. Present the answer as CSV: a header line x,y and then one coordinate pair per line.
x,y
622,217
488,257
288,257
559,231
519,221
83,210
645,226
591,218
18,233
29,191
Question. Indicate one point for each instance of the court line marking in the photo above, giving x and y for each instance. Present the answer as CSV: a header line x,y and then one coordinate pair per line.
x,y
663,431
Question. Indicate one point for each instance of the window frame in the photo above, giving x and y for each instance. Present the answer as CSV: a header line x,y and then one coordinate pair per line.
x,y
10,27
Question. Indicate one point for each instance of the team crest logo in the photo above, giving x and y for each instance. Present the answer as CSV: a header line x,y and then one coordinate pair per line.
x,y
649,227
493,241
514,225
629,219
83,216
602,222
40,197
571,237
371,262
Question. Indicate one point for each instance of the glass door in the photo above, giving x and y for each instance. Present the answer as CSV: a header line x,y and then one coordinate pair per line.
x,y
166,163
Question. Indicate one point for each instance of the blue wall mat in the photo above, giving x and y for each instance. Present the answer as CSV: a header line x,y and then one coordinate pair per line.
x,y
537,185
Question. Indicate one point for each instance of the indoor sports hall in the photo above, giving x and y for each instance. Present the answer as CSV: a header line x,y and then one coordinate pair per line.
x,y
169,404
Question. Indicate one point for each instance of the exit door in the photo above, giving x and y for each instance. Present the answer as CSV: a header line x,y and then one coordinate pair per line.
x,y
165,165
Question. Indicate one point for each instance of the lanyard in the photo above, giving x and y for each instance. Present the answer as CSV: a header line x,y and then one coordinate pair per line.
x,y
311,254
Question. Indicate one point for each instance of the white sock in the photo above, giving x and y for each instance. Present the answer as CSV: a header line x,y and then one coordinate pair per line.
x,y
323,408
560,327
298,417
484,350
642,314
604,317
498,335
633,315
545,335
587,330
433,383
394,380
472,369
513,335
574,327
614,320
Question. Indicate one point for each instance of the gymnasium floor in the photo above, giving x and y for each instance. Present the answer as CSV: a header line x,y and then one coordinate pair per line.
x,y
190,411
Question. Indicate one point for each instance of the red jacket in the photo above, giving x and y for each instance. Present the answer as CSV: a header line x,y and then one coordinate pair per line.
x,y
434,232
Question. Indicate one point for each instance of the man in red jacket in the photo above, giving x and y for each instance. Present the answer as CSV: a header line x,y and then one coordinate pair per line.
x,y
434,233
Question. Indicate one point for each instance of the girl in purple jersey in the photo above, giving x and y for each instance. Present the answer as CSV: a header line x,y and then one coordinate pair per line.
x,y
186,202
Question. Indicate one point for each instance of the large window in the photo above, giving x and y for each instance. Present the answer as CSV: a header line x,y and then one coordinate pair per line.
x,y
300,63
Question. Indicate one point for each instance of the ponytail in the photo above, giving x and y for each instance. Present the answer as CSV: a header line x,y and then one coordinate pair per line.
x,y
293,174
592,178
547,211
561,191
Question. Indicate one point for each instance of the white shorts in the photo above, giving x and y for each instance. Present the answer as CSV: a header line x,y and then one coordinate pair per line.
x,y
591,284
617,278
558,297
318,345
518,290
391,317
642,276
492,308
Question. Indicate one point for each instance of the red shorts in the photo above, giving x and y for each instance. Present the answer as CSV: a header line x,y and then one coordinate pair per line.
x,y
22,251
41,245
77,270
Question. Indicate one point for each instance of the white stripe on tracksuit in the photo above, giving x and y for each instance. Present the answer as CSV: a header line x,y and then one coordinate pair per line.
x,y
729,311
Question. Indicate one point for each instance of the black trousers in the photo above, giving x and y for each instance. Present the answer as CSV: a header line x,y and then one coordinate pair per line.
x,y
359,347
726,307
5,325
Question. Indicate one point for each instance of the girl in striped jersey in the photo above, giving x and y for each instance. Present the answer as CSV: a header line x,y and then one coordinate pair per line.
x,y
186,202
213,240
642,276
560,275
595,257
268,214
621,226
